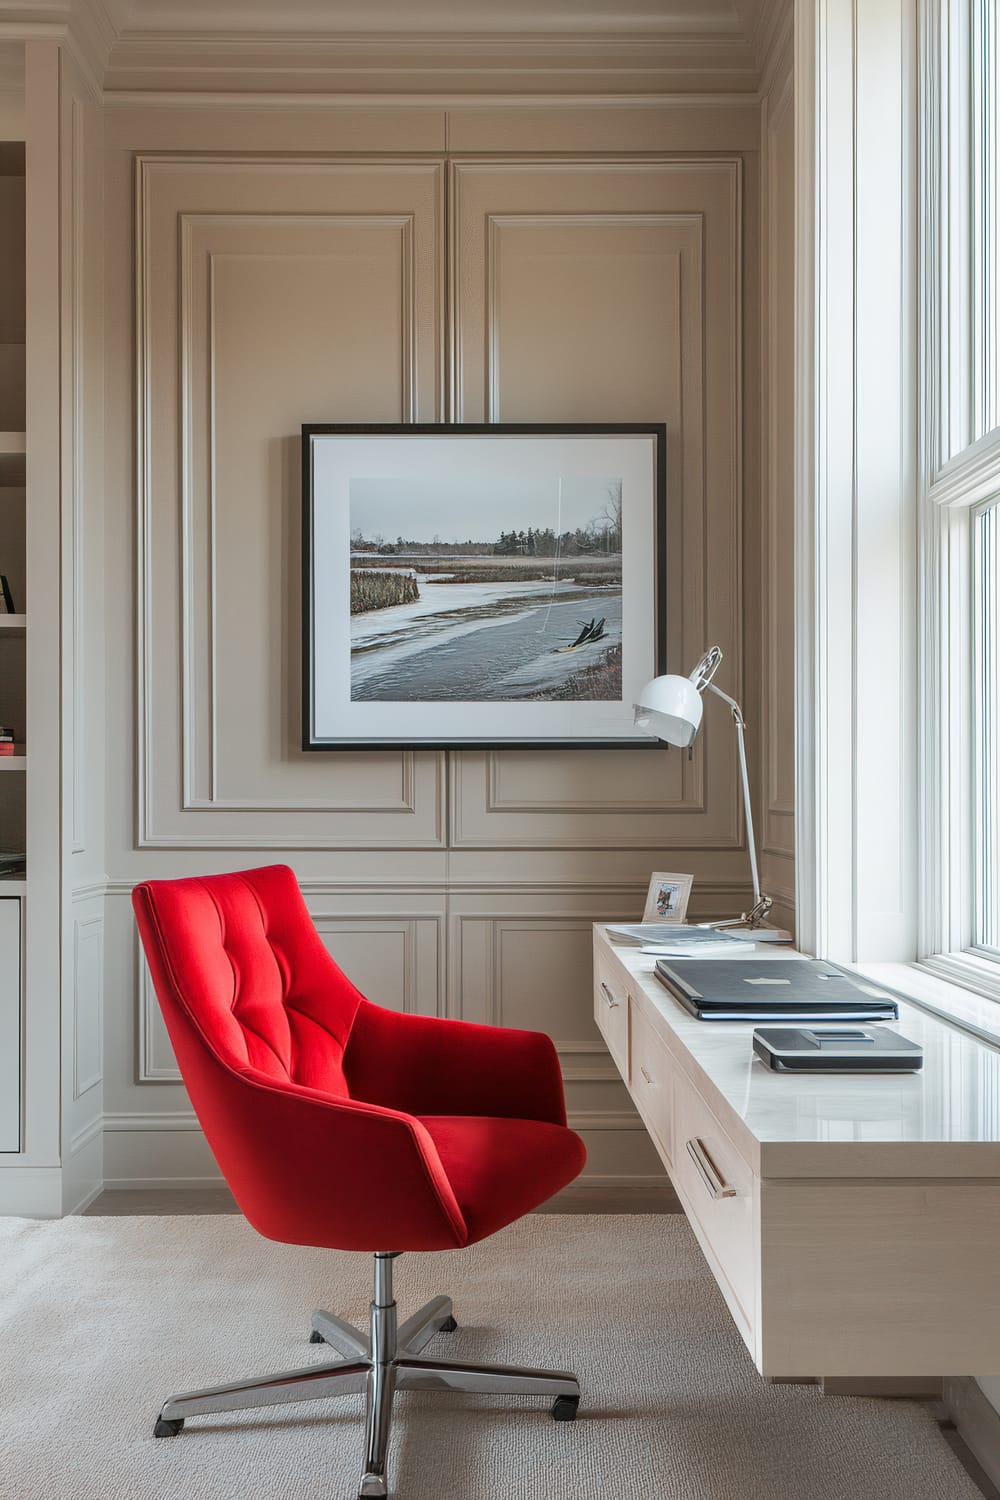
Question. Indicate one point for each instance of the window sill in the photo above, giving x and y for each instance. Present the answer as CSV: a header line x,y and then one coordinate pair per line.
x,y
934,986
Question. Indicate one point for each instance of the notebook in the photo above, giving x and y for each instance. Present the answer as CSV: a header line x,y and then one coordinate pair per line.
x,y
789,990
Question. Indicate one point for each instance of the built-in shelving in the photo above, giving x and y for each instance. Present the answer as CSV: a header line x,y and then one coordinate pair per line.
x,y
13,624
13,762
12,460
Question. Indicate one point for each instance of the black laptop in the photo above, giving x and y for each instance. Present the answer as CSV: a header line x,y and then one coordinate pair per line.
x,y
760,989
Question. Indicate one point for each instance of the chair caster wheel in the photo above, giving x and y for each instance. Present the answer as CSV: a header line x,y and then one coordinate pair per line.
x,y
316,1337
448,1326
564,1408
168,1426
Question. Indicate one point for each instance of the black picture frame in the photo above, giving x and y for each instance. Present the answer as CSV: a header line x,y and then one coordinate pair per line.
x,y
501,432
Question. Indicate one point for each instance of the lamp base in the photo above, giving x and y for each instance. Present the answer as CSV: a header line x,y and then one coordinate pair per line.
x,y
736,928
750,925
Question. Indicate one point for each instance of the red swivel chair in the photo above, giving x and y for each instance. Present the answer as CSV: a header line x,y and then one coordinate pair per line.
x,y
340,1124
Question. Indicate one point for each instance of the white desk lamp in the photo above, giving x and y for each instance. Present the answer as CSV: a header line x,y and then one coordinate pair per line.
x,y
671,708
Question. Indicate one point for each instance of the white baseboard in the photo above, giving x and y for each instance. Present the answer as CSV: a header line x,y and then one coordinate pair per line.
x,y
168,1184
83,1168
593,1194
169,1150
977,1420
31,1192
84,1203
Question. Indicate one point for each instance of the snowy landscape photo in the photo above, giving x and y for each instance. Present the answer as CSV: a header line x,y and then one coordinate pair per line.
x,y
481,588
480,585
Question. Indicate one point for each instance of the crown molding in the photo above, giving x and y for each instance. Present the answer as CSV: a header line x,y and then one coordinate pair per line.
x,y
452,101
126,60
470,62
86,27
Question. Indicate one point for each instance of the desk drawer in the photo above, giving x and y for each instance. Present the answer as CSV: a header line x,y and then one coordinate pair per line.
x,y
650,1075
611,1014
717,1187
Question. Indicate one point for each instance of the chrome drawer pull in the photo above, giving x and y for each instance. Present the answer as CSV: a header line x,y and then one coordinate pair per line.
x,y
609,997
717,1185
645,1075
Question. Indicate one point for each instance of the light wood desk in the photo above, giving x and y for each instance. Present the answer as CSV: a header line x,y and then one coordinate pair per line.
x,y
852,1223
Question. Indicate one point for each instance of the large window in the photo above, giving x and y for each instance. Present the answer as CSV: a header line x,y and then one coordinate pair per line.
x,y
960,500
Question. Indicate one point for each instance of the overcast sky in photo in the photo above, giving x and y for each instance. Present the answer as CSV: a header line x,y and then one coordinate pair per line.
x,y
477,509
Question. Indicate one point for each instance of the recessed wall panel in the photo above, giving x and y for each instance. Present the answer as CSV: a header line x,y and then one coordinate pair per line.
x,y
598,291
269,295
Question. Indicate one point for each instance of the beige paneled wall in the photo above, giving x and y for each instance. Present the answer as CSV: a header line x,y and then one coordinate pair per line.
x,y
616,283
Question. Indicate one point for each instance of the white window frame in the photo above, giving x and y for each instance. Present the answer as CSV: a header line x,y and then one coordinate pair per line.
x,y
987,743
958,478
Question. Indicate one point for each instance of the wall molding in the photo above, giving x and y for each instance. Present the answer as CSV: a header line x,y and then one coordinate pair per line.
x,y
778,835
190,224
88,930
422,773
129,1121
496,802
149,1068
77,440
714,890
154,1068
118,1121
87,1133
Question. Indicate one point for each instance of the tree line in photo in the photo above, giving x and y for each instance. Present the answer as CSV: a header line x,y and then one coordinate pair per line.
x,y
599,538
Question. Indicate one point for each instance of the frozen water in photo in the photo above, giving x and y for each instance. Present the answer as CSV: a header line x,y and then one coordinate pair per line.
x,y
486,590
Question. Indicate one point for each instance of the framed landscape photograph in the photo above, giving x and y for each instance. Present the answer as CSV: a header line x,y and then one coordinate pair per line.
x,y
667,900
480,585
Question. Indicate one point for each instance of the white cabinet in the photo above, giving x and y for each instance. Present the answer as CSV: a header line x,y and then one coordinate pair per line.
x,y
10,1024
850,1222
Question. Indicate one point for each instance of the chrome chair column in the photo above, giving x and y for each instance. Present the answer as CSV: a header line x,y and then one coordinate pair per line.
x,y
380,1363
381,1379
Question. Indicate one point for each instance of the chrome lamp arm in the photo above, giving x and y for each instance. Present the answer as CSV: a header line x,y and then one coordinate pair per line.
x,y
744,776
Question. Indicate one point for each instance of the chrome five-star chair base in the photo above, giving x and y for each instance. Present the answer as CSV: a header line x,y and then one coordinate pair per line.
x,y
380,1363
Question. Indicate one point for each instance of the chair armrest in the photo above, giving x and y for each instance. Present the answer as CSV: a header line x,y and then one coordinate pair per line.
x,y
311,1169
427,1066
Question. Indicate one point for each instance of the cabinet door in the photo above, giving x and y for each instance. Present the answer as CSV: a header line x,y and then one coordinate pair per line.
x,y
610,291
10,1024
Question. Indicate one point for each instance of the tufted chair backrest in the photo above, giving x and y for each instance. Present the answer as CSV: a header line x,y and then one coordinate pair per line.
x,y
247,972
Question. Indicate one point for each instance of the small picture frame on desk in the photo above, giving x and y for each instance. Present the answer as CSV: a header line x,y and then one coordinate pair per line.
x,y
668,898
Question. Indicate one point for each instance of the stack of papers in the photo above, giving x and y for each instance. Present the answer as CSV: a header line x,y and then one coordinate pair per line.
x,y
674,939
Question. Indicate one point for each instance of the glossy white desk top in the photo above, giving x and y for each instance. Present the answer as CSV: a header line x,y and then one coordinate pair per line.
x,y
943,1121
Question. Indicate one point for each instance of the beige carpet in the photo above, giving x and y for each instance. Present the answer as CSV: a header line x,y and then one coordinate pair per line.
x,y
102,1318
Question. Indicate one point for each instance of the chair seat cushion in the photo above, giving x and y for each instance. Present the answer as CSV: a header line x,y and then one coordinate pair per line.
x,y
500,1169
